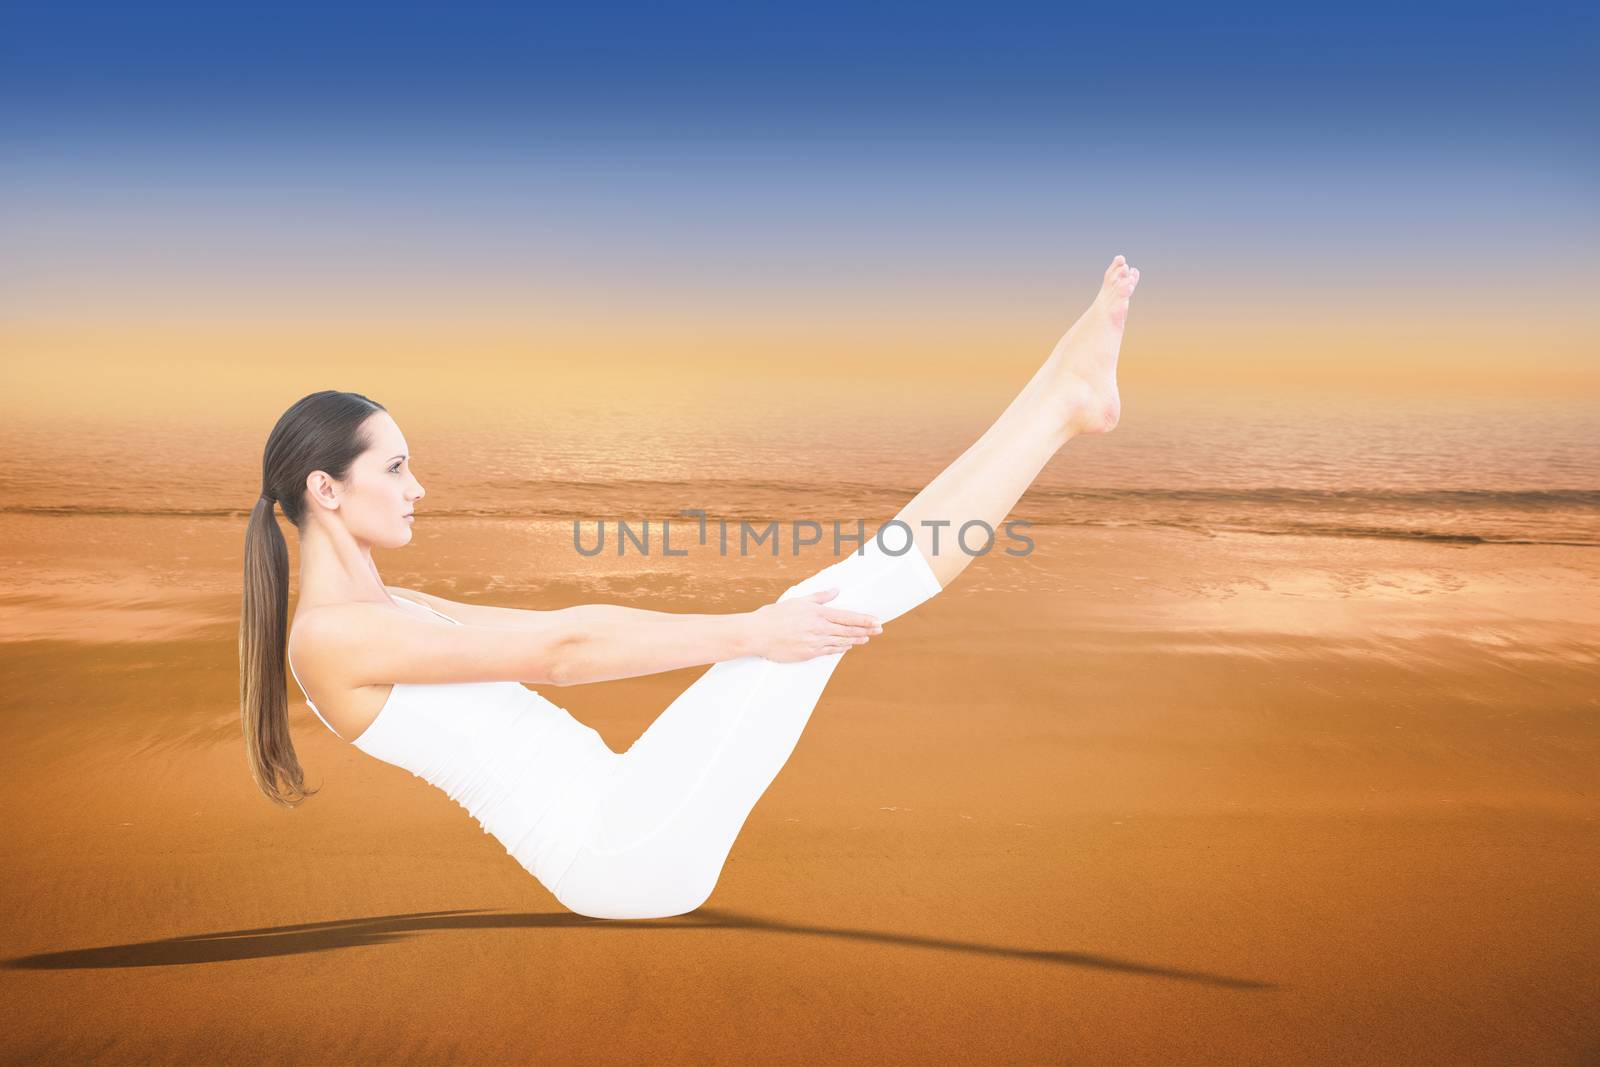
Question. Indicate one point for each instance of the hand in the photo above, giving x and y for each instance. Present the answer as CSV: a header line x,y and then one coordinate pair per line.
x,y
790,631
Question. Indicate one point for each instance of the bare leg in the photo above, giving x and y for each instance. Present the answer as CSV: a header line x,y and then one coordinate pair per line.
x,y
1074,392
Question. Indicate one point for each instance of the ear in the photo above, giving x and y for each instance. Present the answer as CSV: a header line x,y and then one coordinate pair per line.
x,y
323,489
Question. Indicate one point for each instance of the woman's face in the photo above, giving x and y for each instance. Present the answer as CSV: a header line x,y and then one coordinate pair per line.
x,y
381,491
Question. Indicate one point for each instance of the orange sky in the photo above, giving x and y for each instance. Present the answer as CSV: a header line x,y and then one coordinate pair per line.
x,y
450,357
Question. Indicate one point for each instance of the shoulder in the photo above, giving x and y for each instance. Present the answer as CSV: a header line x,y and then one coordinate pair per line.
x,y
323,635
323,619
367,642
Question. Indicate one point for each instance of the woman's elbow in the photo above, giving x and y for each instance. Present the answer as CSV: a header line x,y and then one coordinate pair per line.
x,y
564,663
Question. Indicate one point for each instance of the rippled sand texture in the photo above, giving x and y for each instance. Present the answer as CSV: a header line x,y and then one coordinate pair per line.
x,y
1185,784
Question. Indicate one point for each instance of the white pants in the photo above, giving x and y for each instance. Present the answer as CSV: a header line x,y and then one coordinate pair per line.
x,y
666,814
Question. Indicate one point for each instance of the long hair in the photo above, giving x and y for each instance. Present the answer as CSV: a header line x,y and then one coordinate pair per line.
x,y
320,432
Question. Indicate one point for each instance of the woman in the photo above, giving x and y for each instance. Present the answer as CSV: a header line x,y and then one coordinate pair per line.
x,y
435,686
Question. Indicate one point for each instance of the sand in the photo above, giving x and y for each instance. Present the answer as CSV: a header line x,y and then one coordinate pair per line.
x,y
1151,797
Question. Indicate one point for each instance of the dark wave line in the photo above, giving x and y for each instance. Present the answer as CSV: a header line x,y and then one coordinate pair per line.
x,y
1401,534
1293,529
1516,499
1520,499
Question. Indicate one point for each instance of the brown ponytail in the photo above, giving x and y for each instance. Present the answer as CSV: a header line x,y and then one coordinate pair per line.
x,y
320,432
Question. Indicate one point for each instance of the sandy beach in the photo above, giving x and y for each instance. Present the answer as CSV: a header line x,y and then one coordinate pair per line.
x,y
1145,797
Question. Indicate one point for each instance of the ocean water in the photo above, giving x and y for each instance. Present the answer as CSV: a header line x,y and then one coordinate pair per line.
x,y
1455,470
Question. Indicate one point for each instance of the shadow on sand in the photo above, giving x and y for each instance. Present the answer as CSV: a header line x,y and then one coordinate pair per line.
x,y
348,933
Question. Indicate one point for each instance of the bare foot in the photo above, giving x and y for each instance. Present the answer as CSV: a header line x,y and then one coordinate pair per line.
x,y
1082,371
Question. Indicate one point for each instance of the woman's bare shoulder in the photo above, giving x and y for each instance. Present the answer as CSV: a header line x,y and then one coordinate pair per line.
x,y
315,624
372,642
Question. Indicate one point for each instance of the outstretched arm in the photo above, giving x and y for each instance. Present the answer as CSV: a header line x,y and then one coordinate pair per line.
x,y
609,641
535,618
616,642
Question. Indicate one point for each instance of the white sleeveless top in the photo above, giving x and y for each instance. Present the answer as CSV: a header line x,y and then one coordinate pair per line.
x,y
501,751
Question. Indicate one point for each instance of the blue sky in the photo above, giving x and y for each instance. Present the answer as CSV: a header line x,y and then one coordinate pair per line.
x,y
945,168
198,66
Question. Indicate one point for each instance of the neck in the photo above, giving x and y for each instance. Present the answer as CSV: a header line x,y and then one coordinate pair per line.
x,y
336,567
